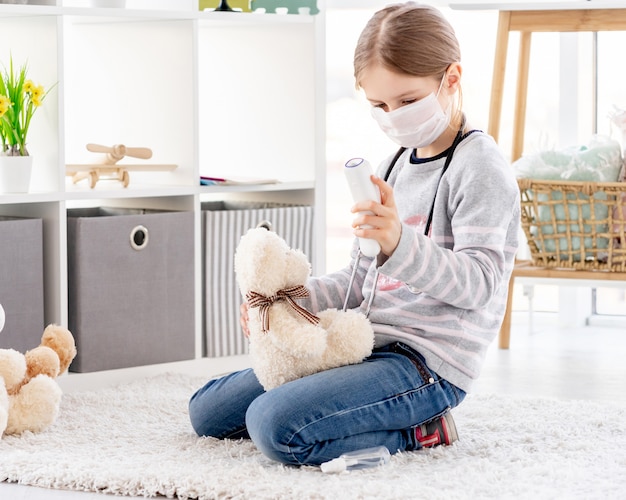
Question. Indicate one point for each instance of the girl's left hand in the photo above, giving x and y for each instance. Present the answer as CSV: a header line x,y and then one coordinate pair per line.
x,y
383,219
243,319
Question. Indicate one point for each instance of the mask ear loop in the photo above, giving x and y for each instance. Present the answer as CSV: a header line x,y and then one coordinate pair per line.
x,y
441,82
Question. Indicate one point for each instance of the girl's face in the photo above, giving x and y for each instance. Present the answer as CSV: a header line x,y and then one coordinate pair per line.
x,y
388,90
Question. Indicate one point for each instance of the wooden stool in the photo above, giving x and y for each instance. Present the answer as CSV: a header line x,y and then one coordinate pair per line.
x,y
525,269
565,17
527,19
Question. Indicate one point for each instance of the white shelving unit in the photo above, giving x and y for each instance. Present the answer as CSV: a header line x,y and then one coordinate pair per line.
x,y
225,94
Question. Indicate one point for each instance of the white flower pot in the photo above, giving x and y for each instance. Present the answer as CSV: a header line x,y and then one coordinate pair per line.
x,y
15,173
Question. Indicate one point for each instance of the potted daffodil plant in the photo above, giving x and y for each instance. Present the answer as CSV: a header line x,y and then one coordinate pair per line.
x,y
19,99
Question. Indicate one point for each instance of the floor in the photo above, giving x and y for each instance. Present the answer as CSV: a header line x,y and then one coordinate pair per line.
x,y
549,361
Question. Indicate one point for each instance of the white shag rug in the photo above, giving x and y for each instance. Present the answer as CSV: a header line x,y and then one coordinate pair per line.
x,y
136,440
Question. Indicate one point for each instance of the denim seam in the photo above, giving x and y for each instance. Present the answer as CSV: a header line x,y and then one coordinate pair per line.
x,y
234,433
416,360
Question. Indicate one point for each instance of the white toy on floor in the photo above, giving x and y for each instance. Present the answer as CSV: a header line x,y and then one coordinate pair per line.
x,y
286,341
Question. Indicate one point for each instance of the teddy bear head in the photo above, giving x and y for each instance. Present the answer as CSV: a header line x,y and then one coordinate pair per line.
x,y
265,264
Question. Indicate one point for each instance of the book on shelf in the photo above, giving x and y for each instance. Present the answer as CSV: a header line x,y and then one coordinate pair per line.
x,y
206,180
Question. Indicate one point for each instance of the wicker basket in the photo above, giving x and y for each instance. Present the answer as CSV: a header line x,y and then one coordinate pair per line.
x,y
577,225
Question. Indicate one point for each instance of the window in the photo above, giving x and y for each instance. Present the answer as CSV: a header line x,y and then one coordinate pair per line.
x,y
562,107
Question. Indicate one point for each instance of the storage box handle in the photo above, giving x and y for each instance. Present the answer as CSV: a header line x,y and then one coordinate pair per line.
x,y
139,237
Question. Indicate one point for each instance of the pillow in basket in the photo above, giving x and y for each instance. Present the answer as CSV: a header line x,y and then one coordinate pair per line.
x,y
598,161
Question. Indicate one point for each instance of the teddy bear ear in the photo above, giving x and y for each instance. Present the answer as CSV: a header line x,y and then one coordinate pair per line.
x,y
265,224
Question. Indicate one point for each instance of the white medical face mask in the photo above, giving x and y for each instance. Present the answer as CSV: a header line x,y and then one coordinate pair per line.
x,y
415,125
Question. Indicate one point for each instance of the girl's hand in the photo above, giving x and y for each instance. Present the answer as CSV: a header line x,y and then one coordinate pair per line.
x,y
243,319
386,226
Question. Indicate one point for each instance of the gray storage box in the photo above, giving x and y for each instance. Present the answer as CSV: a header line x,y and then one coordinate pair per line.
x,y
223,224
21,282
131,287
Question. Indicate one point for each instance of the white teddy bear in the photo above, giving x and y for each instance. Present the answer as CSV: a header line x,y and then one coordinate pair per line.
x,y
287,341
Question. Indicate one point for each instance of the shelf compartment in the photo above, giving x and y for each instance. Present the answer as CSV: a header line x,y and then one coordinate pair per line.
x,y
130,287
257,101
132,84
16,38
223,224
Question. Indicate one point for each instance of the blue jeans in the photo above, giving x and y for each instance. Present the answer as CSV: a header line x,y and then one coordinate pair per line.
x,y
319,417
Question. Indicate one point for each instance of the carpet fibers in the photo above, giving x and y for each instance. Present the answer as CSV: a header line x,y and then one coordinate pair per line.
x,y
136,440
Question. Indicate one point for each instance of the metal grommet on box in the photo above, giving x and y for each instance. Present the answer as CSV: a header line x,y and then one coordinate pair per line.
x,y
139,237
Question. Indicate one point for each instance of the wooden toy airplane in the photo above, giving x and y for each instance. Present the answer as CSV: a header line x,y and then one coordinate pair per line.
x,y
109,169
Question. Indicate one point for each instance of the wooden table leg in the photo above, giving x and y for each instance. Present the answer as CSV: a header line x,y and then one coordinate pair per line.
x,y
504,339
521,96
499,69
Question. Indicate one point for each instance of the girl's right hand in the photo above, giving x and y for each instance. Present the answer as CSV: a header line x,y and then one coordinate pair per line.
x,y
243,319
382,218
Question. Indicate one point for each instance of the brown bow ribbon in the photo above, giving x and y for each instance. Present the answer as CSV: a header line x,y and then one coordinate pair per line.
x,y
289,294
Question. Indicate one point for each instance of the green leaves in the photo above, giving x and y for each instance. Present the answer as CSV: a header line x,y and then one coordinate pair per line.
x,y
19,99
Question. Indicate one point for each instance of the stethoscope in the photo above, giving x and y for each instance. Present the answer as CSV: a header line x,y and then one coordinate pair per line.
x,y
458,138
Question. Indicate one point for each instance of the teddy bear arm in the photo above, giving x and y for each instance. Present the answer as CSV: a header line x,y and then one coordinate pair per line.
x,y
61,341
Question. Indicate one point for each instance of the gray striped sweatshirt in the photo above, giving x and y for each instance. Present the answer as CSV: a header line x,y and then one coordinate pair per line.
x,y
444,295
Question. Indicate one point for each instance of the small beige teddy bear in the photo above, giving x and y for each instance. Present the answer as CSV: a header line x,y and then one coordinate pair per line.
x,y
29,394
287,341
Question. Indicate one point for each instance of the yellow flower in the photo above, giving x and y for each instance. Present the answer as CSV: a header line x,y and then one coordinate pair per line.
x,y
37,94
4,104
20,98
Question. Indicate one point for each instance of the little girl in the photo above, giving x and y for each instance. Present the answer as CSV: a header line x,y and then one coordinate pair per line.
x,y
447,225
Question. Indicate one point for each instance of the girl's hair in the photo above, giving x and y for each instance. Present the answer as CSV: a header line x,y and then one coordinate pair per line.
x,y
409,38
